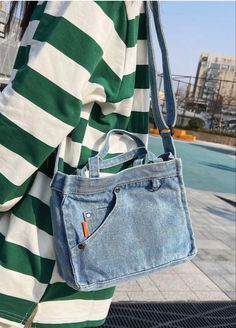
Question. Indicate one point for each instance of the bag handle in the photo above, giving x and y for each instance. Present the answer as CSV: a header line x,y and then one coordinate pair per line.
x,y
102,153
155,31
97,162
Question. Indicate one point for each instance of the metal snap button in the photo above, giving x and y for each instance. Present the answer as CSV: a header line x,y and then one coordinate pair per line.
x,y
81,246
117,189
87,215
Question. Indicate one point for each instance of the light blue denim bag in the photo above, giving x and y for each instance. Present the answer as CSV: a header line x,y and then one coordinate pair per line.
x,y
109,229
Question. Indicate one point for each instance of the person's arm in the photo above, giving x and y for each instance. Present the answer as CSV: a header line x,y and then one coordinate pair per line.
x,y
42,104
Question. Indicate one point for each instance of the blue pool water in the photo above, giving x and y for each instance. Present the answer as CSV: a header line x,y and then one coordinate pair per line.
x,y
205,167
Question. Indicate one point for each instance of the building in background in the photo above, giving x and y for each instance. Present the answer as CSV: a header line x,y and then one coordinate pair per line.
x,y
214,88
3,6
8,45
216,79
209,96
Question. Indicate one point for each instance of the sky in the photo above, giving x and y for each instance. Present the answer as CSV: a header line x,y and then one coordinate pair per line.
x,y
192,27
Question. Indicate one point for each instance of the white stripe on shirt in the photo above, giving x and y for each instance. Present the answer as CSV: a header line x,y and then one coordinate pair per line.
x,y
73,311
40,124
9,161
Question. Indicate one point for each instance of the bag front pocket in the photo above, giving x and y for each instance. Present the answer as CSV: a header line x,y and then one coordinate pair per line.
x,y
83,215
96,217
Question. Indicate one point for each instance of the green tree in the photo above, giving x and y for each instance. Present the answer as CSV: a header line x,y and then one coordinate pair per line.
x,y
196,123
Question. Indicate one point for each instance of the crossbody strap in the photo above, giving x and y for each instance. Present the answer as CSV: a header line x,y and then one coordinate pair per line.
x,y
155,33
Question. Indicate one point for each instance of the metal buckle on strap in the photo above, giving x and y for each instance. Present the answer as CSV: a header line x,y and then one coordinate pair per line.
x,y
171,130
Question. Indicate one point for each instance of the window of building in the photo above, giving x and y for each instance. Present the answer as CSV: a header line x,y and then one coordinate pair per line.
x,y
215,66
224,67
2,34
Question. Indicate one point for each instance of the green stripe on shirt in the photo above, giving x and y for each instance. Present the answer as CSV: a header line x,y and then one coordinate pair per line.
x,y
61,291
34,211
38,11
116,89
21,57
82,49
77,134
14,309
83,324
142,31
126,29
136,122
18,258
85,154
142,77
12,136
47,95
66,168
10,191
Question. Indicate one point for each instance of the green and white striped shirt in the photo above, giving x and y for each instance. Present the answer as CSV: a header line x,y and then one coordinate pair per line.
x,y
80,71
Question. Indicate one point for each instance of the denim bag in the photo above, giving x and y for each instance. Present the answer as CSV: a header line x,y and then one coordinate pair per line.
x,y
109,229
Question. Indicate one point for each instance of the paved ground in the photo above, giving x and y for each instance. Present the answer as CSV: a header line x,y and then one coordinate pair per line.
x,y
211,274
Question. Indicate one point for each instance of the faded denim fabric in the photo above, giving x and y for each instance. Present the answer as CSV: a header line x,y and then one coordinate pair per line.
x,y
138,221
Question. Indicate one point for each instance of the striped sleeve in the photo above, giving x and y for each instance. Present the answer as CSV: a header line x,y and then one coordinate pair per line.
x,y
42,103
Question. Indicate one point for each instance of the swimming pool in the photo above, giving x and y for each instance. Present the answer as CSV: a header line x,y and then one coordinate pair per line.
x,y
205,166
